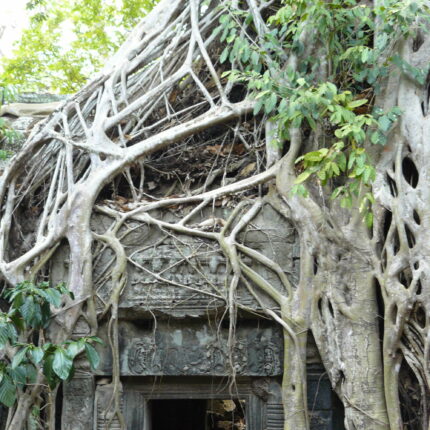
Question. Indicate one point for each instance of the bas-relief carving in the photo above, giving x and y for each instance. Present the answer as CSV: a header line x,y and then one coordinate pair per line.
x,y
185,266
78,404
196,350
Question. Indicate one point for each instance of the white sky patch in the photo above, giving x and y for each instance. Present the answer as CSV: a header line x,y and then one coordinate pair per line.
x,y
67,34
13,19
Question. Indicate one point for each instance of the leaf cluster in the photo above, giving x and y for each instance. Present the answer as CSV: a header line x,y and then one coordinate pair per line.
x,y
357,54
28,317
68,40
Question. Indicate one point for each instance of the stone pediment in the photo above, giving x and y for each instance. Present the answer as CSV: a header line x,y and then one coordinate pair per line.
x,y
187,276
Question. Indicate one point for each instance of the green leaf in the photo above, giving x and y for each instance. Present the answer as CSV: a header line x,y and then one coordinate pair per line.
x,y
255,58
346,202
365,55
369,219
74,348
92,355
270,103
19,375
374,138
19,357
7,392
322,175
258,105
384,123
303,176
299,190
314,156
341,161
335,168
48,371
37,354
356,103
224,55
52,295
337,192
96,339
27,310
31,373
62,364
351,160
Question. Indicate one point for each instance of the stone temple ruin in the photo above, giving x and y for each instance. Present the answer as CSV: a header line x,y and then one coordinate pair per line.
x,y
173,342
176,370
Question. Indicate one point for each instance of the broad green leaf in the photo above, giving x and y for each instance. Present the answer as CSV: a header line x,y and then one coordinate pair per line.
x,y
270,103
321,175
48,371
52,295
356,103
19,375
337,192
7,392
335,168
92,355
74,348
37,354
374,138
224,54
365,55
303,176
258,105
62,363
314,156
384,123
255,58
299,190
96,339
341,161
19,357
27,310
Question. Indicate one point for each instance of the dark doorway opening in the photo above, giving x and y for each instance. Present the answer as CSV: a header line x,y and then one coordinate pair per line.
x,y
197,414
178,414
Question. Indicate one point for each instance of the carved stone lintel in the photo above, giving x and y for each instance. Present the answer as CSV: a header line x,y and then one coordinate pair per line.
x,y
199,350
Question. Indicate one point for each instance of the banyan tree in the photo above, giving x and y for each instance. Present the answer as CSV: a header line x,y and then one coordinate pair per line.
x,y
215,120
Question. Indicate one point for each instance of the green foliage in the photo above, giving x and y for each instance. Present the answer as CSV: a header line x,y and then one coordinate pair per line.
x,y
7,134
8,93
68,40
338,103
31,309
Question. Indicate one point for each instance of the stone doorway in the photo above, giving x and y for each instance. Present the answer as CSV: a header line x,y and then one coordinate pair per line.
x,y
197,414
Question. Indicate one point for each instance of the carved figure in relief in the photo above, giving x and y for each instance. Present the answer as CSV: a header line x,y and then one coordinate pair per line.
x,y
141,356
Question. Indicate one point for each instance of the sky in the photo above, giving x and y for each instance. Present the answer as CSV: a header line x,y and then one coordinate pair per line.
x,y
13,18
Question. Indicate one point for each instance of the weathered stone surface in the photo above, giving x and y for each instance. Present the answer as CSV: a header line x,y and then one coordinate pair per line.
x,y
187,276
78,403
29,109
27,97
197,348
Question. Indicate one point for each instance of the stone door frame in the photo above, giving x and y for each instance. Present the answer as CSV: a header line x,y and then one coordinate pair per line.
x,y
139,391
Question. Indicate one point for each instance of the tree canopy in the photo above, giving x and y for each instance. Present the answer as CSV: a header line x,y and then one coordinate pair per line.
x,y
67,41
